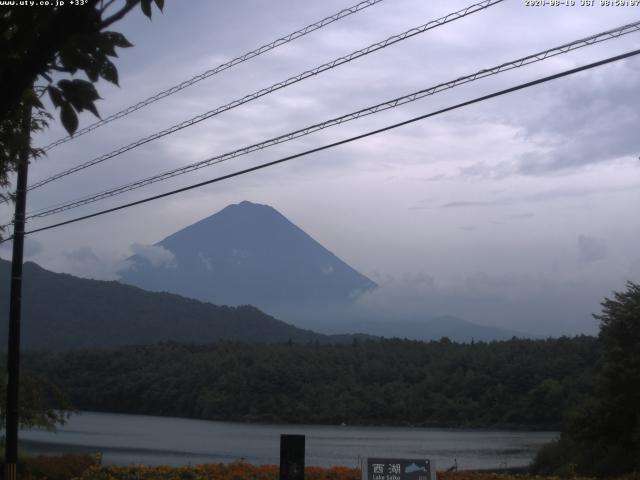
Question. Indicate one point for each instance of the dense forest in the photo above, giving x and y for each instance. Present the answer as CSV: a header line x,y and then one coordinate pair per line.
x,y
517,383
601,435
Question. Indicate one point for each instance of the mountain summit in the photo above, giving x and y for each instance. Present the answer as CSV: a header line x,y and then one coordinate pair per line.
x,y
247,253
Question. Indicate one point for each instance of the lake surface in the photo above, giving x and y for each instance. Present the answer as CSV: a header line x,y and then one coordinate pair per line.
x,y
126,439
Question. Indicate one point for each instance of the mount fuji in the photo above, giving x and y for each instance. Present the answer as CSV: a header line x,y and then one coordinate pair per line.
x,y
248,254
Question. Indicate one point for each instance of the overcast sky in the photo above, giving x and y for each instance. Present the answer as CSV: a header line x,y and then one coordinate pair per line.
x,y
520,211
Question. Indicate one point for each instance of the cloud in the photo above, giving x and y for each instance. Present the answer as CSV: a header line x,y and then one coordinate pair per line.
x,y
520,216
156,255
239,256
591,249
541,304
327,269
85,262
408,295
634,271
592,120
81,255
466,203
549,195
206,261
32,248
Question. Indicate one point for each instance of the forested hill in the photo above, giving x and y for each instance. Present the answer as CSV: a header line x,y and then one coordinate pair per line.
x,y
517,383
62,312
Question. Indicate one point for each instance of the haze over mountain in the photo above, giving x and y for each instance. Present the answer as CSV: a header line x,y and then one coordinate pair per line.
x,y
251,254
426,329
248,253
62,312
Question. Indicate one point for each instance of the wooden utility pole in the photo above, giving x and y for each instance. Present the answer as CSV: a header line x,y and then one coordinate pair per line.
x,y
15,306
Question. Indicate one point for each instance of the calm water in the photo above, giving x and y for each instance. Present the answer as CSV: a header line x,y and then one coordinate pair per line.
x,y
126,439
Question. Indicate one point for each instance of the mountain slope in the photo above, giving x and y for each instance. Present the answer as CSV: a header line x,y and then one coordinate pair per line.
x,y
63,312
248,254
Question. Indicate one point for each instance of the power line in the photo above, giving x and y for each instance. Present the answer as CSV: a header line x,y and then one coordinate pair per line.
x,y
220,68
277,86
342,142
537,57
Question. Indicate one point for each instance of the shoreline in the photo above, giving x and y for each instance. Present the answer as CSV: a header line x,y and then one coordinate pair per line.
x,y
408,425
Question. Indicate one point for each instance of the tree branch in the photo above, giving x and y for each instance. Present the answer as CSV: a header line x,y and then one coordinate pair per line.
x,y
103,8
119,14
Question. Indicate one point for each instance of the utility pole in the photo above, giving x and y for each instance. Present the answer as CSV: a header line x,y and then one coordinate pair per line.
x,y
15,307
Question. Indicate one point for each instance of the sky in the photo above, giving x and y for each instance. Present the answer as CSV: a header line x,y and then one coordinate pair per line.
x,y
518,212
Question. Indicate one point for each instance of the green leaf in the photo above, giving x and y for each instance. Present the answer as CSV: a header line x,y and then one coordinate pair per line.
x,y
69,60
80,94
117,39
109,72
107,46
87,89
68,118
93,71
55,95
146,7
92,108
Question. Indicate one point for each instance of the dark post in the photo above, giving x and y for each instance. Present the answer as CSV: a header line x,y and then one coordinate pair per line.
x,y
291,457
13,356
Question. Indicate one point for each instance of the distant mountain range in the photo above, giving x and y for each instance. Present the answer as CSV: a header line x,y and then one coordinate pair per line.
x,y
248,254
62,312
454,328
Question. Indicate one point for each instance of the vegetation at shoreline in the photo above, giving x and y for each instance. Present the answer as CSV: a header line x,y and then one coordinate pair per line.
x,y
217,471
85,467
516,383
45,467
601,435
43,404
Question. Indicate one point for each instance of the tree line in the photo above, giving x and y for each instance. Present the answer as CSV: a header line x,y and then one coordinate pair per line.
x,y
516,383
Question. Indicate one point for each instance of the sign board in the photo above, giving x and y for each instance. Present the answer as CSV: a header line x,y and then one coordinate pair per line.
x,y
399,469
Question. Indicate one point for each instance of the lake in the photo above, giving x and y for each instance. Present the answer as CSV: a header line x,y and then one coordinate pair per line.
x,y
126,439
